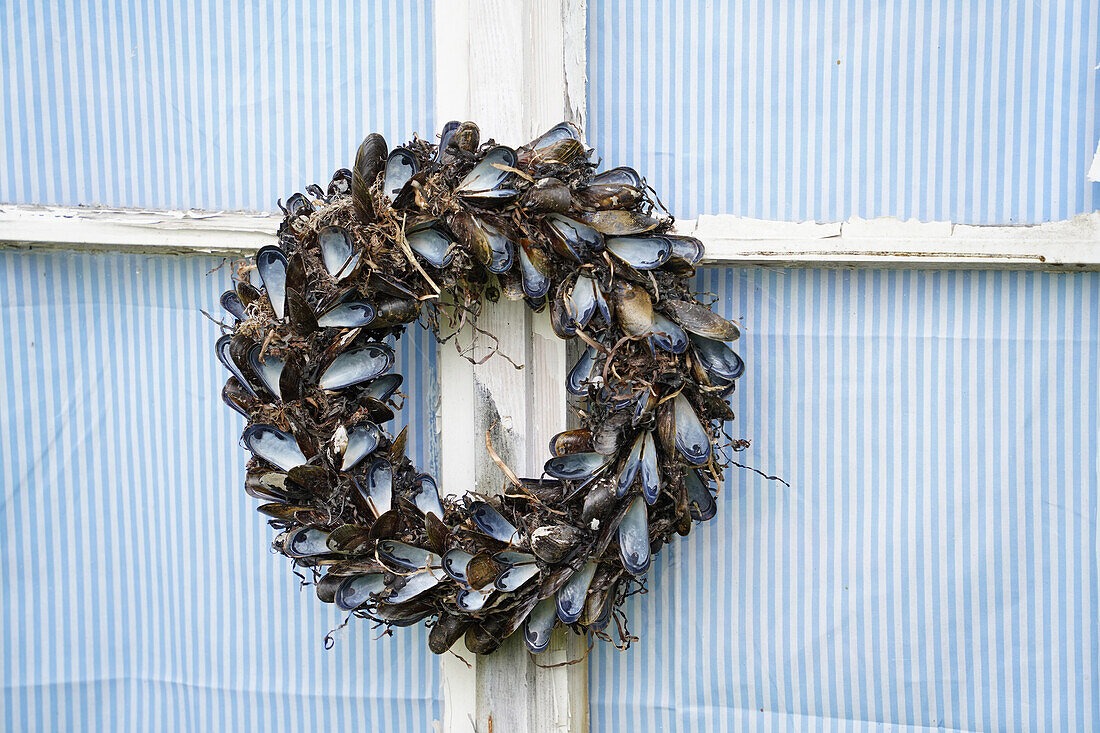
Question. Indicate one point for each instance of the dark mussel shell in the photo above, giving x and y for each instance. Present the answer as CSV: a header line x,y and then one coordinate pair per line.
x,y
349,314
271,263
432,241
491,522
274,446
363,439
621,175
401,165
540,625
571,597
337,251
358,364
617,223
634,548
576,466
641,253
701,502
232,303
570,238
702,321
718,358
370,160
487,179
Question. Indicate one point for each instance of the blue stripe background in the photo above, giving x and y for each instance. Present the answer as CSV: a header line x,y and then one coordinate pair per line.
x,y
933,564
137,591
788,110
203,104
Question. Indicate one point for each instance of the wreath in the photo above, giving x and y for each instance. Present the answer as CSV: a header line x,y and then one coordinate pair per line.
x,y
471,221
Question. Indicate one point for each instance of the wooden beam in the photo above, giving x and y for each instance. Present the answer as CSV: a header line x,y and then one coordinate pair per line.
x,y
1070,245
516,69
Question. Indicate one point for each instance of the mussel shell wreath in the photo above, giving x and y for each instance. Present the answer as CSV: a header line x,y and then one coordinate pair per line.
x,y
427,233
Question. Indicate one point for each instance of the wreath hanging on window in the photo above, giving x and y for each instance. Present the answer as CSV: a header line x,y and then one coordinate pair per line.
x,y
311,372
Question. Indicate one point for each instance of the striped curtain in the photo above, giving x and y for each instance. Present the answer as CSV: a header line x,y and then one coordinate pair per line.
x,y
980,113
137,591
931,561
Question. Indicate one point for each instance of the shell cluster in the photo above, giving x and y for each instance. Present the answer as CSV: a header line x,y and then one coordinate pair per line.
x,y
428,233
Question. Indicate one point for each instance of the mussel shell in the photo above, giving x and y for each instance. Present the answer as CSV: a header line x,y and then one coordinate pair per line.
x,y
349,314
379,487
631,466
701,502
491,246
581,375
552,543
445,138
224,348
691,438
556,134
394,311
454,564
348,539
407,587
578,440
621,175
400,167
633,308
491,522
337,251
702,321
616,223
274,446
406,556
576,466
425,496
472,601
641,253
540,625
269,370
240,399
667,335
340,183
634,549
305,542
548,194
447,629
302,320
356,365
327,586
571,238
246,292
370,159
363,439
356,590
271,263
231,302
570,599
602,196
685,249
513,578
534,267
467,137
384,387
487,176
718,358
432,241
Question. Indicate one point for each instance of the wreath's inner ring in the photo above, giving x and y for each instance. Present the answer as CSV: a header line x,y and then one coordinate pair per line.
x,y
426,234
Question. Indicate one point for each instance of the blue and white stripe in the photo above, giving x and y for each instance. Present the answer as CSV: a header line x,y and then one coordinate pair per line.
x,y
202,104
966,112
137,591
933,563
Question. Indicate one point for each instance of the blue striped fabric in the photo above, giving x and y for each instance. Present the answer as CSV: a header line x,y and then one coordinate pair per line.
x,y
791,110
934,562
203,104
137,591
